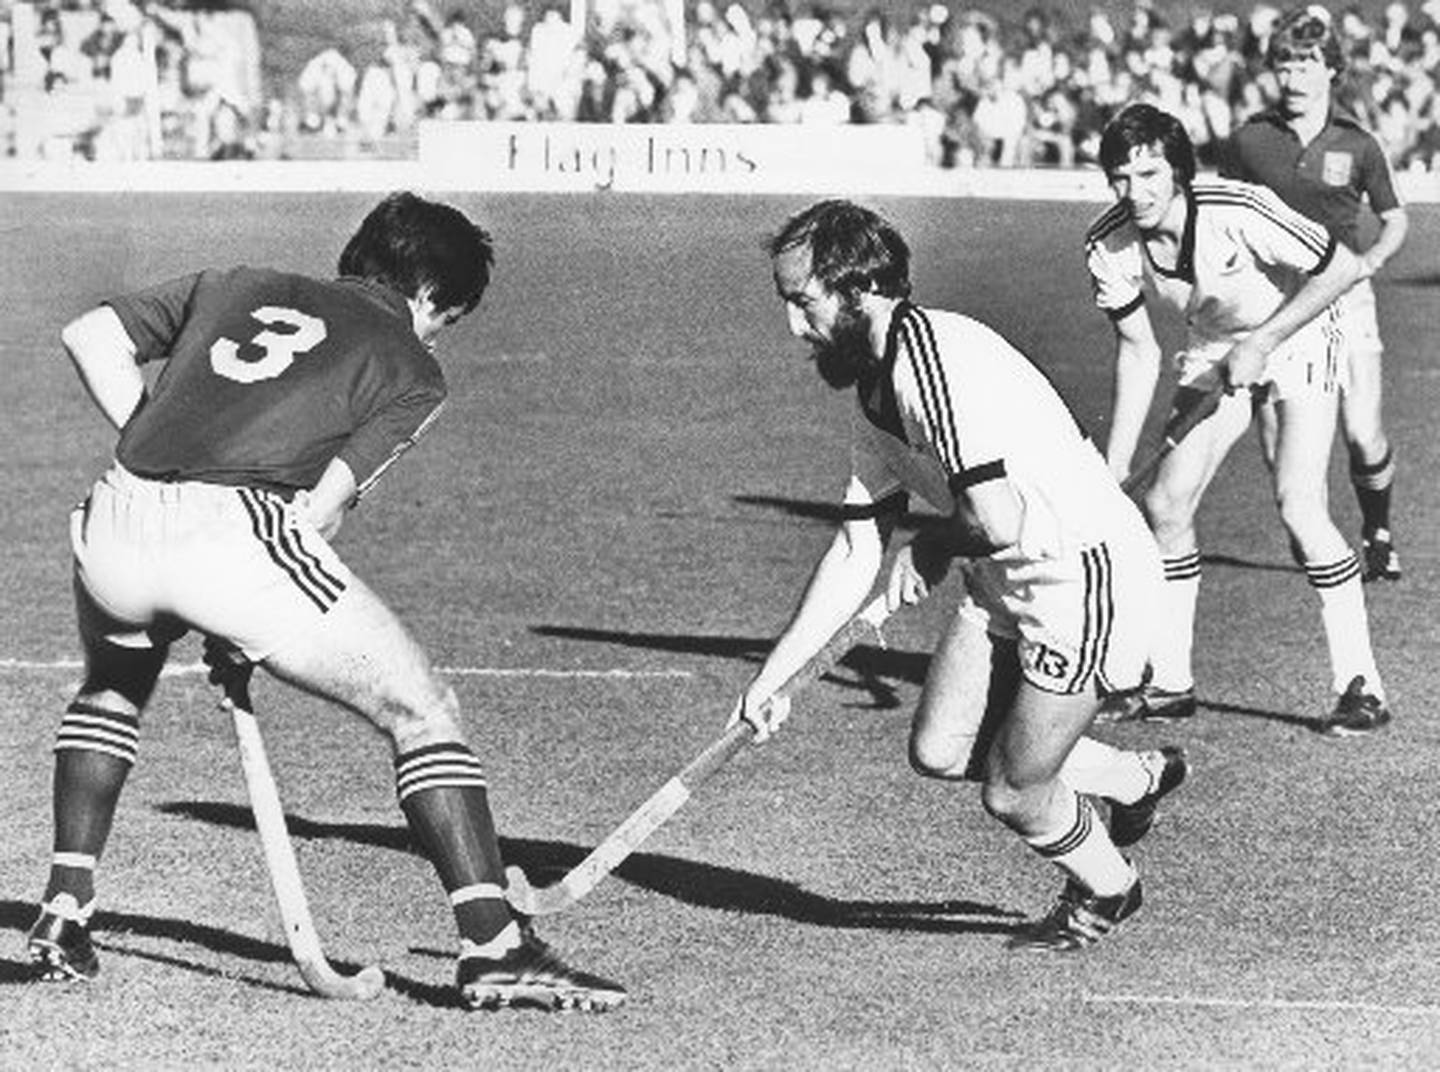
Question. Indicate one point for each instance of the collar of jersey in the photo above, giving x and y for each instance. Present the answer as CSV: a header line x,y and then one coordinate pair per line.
x,y
1185,262
388,298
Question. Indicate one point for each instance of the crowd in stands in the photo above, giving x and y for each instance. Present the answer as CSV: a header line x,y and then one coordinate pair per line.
x,y
127,79
1034,93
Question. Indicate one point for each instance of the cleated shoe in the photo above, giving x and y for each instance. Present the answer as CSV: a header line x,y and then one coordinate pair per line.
x,y
59,942
1381,561
1078,920
1356,712
1131,822
1148,704
532,975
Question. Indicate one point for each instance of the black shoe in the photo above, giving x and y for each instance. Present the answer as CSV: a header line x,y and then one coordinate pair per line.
x,y
1078,920
530,974
1357,712
1381,561
60,942
1148,704
1131,822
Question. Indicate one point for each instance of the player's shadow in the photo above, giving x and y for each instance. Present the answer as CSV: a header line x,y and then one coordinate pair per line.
x,y
833,514
116,932
703,885
873,670
1260,714
828,512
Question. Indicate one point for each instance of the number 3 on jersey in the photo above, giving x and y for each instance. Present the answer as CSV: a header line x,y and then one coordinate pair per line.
x,y
280,348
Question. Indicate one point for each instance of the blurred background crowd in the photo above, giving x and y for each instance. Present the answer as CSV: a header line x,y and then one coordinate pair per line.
x,y
136,79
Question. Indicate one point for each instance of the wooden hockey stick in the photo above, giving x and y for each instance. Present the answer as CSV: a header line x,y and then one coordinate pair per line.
x,y
671,797
319,976
1177,428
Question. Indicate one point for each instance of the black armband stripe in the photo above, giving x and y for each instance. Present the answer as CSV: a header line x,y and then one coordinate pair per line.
x,y
1117,315
980,474
1325,259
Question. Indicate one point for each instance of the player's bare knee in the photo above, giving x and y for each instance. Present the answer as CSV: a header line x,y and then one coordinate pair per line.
x,y
107,702
1306,518
947,761
432,721
1002,799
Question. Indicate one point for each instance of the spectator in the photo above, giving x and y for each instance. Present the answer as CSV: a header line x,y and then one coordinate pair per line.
x,y
327,93
101,44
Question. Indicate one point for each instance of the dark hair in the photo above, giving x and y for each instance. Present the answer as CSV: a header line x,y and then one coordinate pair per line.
x,y
852,249
1304,32
1141,126
411,244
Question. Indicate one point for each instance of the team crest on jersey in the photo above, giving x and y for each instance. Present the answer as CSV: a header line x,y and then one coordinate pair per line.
x,y
1336,168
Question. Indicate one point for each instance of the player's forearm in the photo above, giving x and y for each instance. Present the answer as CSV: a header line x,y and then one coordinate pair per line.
x,y
1308,302
325,504
104,357
1137,371
836,590
986,519
1394,226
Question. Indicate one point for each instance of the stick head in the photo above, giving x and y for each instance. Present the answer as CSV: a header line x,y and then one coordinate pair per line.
x,y
325,981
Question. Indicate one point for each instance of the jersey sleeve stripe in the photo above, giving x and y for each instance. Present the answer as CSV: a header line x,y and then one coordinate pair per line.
x,y
918,338
1106,223
400,448
1308,232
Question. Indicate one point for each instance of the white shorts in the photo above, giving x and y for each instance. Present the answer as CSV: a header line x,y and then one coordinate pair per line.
x,y
1360,322
155,559
1308,363
1086,620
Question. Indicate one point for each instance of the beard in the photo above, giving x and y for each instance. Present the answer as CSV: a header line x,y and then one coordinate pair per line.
x,y
841,360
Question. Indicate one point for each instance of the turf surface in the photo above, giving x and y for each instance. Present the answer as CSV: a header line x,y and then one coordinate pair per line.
x,y
632,479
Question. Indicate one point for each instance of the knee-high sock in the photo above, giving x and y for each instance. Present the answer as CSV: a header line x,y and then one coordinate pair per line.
x,y
1077,842
94,751
1347,624
1098,769
442,792
1372,485
1170,660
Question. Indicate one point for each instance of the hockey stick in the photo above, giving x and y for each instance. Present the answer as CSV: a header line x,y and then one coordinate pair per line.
x,y
671,797
319,976
1180,424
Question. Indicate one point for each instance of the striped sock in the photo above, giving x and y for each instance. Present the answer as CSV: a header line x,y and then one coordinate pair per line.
x,y
1372,484
1171,658
1097,769
94,751
1081,847
442,792
1347,625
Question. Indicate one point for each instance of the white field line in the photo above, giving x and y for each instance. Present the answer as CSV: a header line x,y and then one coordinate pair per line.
x,y
179,669
1263,1004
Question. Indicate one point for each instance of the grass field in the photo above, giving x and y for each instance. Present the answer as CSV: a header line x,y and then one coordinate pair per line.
x,y
616,512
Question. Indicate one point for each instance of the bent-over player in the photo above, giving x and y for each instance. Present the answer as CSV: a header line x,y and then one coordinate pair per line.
x,y
1255,282
1323,163
281,401
1061,574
